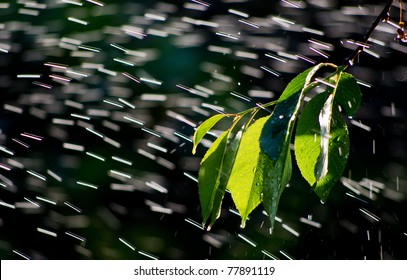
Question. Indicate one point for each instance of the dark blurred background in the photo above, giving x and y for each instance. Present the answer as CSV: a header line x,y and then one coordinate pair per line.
x,y
99,102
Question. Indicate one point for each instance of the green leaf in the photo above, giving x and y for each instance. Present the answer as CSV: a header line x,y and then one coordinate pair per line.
x,y
278,129
227,165
209,174
321,144
204,128
276,137
246,178
348,94
276,177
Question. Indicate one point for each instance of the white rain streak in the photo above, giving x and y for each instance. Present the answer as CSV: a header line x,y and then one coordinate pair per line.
x,y
70,205
360,125
157,187
76,20
271,71
6,150
148,255
127,103
151,81
365,84
131,77
37,175
268,254
89,48
134,120
193,178
312,31
54,175
249,23
146,154
157,147
285,254
369,214
160,209
238,13
216,108
319,52
152,132
44,85
180,117
248,55
293,4
155,17
82,117
194,223
218,49
97,3
120,174
8,205
203,3
122,160
153,97
74,147
29,76
20,143
92,186
283,21
123,61
291,230
29,12
46,200
310,222
32,202
32,136
276,57
227,35
112,142
247,240
13,108
278,219
127,244
5,167
21,254
307,59
95,132
236,212
47,232
183,136
80,238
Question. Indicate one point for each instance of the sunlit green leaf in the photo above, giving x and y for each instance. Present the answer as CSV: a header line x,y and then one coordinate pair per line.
x,y
348,94
246,179
204,128
227,165
321,166
209,174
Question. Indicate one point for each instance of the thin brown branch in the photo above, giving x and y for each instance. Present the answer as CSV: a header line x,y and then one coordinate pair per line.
x,y
384,15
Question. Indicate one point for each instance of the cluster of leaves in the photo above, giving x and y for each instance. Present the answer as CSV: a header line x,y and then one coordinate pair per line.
x,y
252,158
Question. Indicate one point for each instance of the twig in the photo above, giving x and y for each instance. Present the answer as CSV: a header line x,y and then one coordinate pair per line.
x,y
382,16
